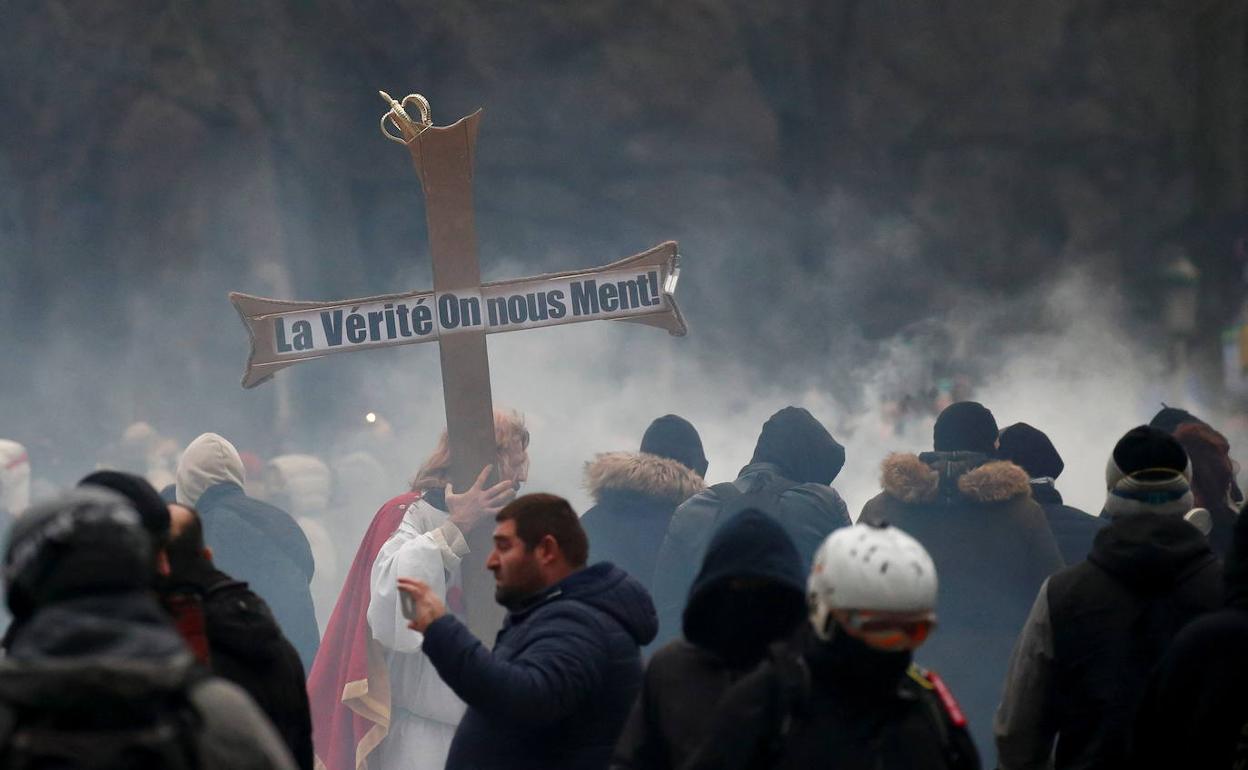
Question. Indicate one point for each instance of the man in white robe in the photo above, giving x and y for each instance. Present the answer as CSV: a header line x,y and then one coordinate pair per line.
x,y
429,545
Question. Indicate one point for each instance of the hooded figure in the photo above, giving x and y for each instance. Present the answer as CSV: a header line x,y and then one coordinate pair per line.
x,y
843,691
749,593
251,540
794,461
1031,450
1098,628
637,492
991,545
1194,713
95,655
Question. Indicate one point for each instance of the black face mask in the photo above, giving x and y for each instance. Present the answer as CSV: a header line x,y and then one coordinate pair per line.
x,y
853,663
746,620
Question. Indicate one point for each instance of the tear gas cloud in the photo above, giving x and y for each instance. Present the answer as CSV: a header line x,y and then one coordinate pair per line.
x,y
1072,371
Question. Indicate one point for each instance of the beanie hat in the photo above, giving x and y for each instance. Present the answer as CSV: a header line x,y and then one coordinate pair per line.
x,y
209,460
675,438
87,541
1148,472
966,426
152,510
1171,417
1031,450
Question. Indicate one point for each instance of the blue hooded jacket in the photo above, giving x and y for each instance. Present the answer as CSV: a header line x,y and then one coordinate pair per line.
x,y
562,677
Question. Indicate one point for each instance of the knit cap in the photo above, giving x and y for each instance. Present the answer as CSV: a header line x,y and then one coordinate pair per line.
x,y
1148,472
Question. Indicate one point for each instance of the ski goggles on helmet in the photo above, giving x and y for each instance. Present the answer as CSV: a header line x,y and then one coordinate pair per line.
x,y
887,631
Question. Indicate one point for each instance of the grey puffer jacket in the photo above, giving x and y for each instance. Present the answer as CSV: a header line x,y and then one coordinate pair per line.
x,y
119,654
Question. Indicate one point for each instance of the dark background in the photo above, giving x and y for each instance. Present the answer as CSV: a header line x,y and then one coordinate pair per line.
x,y
837,171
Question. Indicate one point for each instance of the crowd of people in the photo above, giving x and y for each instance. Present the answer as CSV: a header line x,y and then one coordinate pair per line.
x,y
210,613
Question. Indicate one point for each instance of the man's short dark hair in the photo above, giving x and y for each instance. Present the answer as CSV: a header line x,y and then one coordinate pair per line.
x,y
539,515
187,545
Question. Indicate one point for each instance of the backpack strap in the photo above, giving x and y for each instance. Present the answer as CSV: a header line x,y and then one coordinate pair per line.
x,y
725,491
945,715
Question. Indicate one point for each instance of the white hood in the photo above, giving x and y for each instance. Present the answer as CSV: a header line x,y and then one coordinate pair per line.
x,y
14,477
208,460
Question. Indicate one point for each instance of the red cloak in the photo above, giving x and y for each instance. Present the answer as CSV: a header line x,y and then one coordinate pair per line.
x,y
349,686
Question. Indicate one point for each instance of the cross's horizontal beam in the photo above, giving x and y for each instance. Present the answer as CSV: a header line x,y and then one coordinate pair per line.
x,y
638,289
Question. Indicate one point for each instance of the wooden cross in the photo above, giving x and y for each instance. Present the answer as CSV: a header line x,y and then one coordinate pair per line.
x,y
458,313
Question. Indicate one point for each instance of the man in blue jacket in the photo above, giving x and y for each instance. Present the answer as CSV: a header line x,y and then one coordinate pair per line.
x,y
566,666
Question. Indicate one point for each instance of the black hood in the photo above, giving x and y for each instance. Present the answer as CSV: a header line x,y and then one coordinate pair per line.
x,y
609,589
1150,551
750,546
96,650
797,444
1236,570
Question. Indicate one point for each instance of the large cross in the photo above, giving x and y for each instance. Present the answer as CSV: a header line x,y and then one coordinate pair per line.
x,y
458,313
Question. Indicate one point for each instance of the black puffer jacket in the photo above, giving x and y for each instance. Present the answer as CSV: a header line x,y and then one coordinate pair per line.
x,y
247,647
256,542
794,452
727,633
1195,711
992,548
635,494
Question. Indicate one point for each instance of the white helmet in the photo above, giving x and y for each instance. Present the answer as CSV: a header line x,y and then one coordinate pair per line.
x,y
870,567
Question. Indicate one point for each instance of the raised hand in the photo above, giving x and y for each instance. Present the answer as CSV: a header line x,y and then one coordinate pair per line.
x,y
468,508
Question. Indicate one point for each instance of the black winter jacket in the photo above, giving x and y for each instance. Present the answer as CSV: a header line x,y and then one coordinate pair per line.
x,y
558,685
262,545
1072,529
728,630
840,705
635,494
1095,633
247,647
992,548
1195,710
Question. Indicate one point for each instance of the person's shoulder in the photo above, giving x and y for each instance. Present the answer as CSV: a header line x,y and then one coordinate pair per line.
x,y
1214,631
707,497
235,733
942,708
675,656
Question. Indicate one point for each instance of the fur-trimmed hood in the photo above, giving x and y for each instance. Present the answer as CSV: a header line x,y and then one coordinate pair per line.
x,y
971,476
641,472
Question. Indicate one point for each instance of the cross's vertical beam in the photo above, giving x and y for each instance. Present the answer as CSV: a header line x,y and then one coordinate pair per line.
x,y
443,159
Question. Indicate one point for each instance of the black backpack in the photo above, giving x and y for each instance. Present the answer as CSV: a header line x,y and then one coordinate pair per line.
x,y
763,494
148,730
